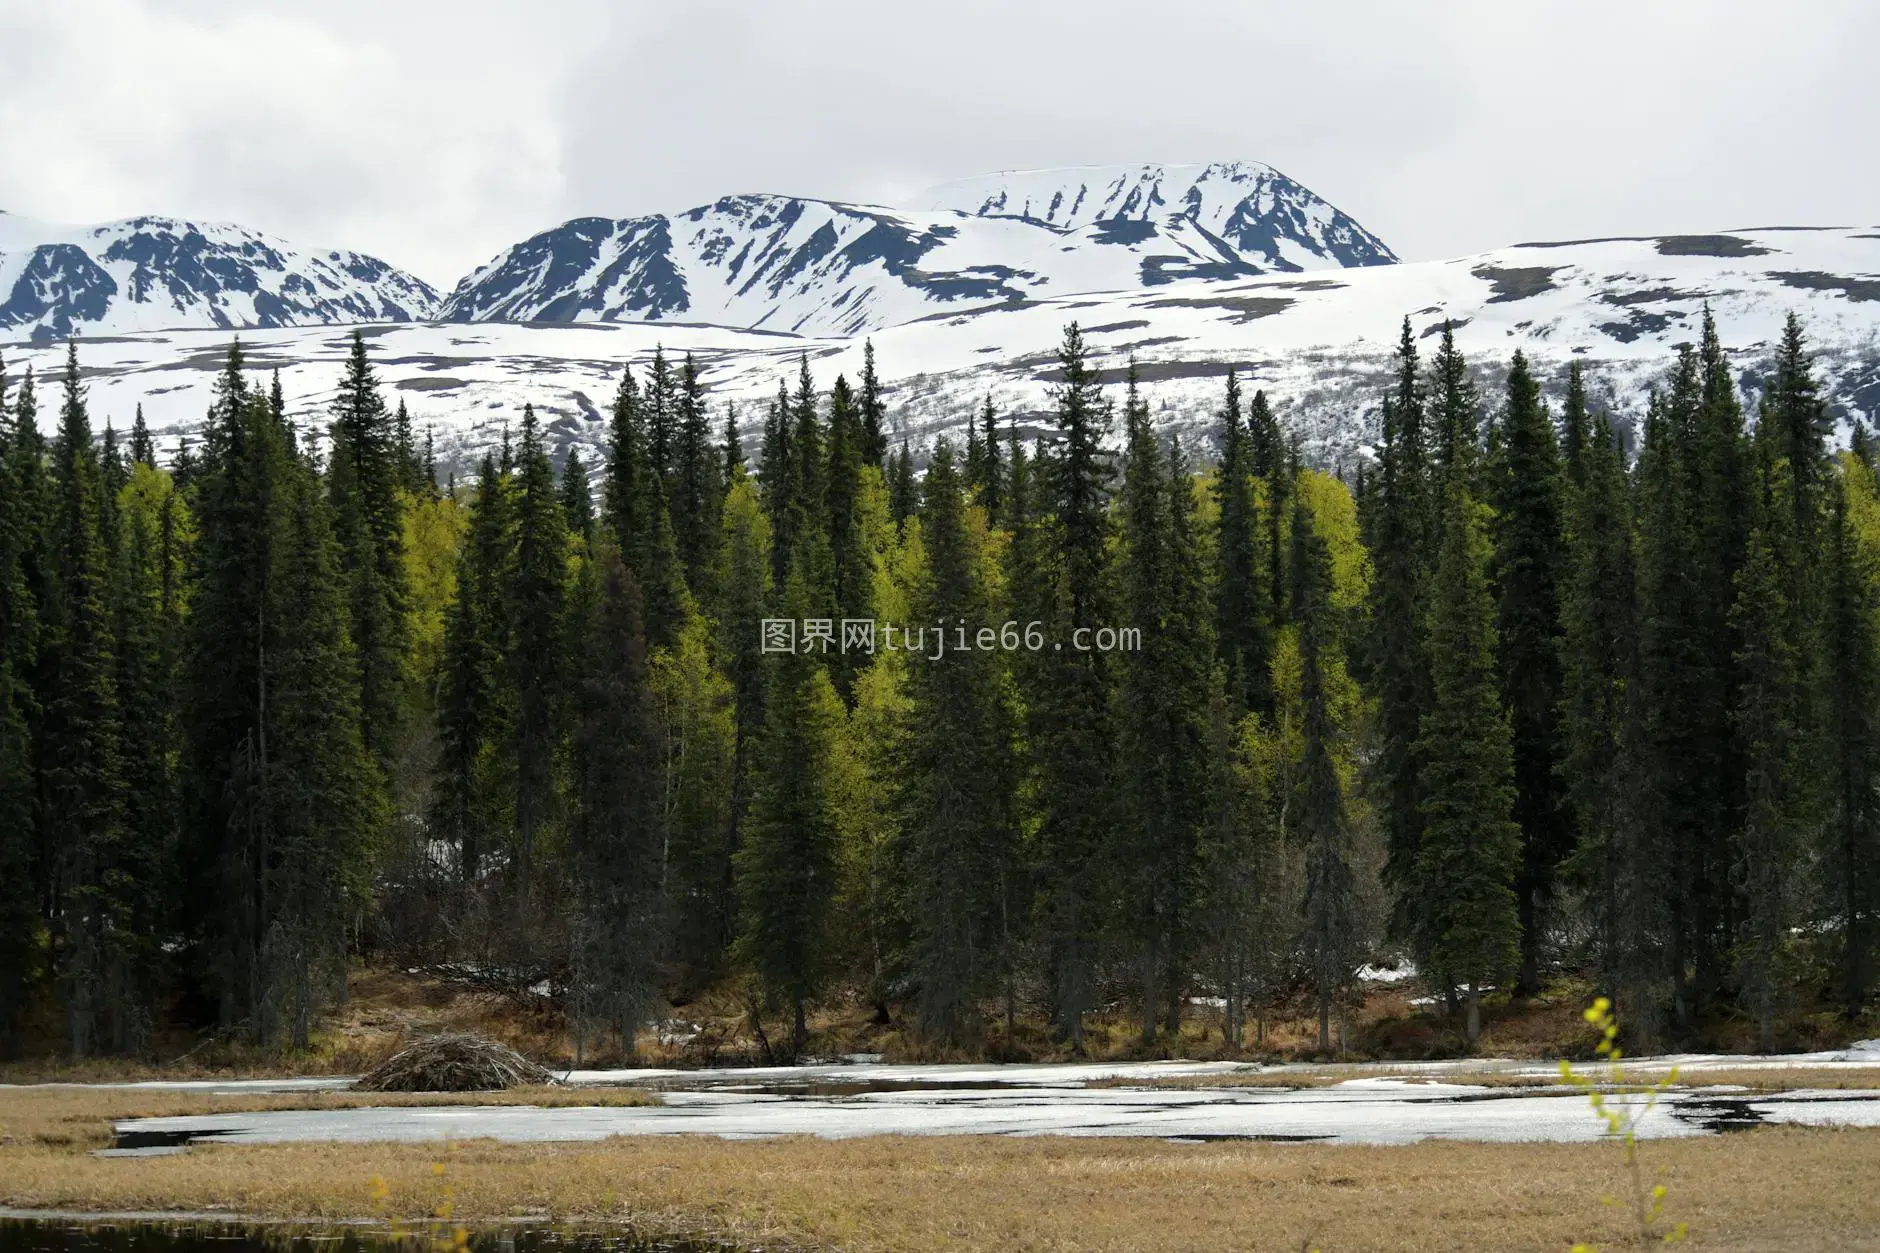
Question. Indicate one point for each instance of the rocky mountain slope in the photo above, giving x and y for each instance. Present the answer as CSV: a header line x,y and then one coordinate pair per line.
x,y
819,267
151,273
1319,343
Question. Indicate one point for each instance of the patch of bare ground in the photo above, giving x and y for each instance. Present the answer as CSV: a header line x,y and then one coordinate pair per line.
x,y
1793,1189
388,1008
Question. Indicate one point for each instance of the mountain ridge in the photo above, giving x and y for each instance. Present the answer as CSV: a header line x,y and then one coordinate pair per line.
x,y
817,266
158,272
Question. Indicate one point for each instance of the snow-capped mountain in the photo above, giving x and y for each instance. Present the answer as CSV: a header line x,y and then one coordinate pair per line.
x,y
819,267
153,273
1228,214
1320,344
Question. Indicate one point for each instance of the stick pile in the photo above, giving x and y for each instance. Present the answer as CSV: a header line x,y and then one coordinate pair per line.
x,y
454,1063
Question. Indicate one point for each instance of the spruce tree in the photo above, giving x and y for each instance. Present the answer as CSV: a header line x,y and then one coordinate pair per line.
x,y
319,788
1851,674
1529,554
1455,423
617,833
146,613
697,488
1068,697
874,438
662,419
958,775
854,574
1318,812
368,470
1162,698
19,635
744,583
786,863
409,465
81,768
1464,907
474,710
143,451
903,490
1271,464
634,502
1399,661
1768,719
538,596
1242,620
1600,698
577,496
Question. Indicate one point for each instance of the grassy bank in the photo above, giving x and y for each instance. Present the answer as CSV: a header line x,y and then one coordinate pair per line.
x,y
1792,1189
77,1120
386,1008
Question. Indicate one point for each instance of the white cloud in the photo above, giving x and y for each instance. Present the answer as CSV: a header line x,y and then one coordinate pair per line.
x,y
323,131
434,134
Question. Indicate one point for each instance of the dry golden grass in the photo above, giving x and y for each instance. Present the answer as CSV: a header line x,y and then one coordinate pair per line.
x,y
1793,1189
81,1118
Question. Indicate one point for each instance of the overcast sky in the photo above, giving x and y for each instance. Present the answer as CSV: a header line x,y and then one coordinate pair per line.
x,y
435,134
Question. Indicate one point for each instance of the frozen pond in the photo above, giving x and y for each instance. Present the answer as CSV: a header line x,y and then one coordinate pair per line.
x,y
865,1098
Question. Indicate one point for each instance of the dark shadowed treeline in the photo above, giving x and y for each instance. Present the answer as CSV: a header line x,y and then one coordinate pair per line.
x,y
1511,702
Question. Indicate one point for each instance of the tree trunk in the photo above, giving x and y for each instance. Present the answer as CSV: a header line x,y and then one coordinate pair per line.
x,y
1473,1026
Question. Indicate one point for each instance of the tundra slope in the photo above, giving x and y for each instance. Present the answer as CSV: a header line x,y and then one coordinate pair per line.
x,y
820,267
1319,343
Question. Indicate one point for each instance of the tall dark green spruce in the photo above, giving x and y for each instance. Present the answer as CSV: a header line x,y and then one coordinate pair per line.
x,y
1530,550
786,863
1071,727
473,796
662,418
617,830
81,766
367,470
1851,671
903,489
985,475
959,833
1463,903
1769,721
853,570
538,597
1599,684
323,803
1318,812
1455,421
1242,620
1162,703
147,571
577,496
143,451
1693,506
1271,464
19,633
874,439
745,589
280,794
1399,662
697,492
634,508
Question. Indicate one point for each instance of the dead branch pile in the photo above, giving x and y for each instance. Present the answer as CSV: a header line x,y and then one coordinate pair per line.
x,y
454,1063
